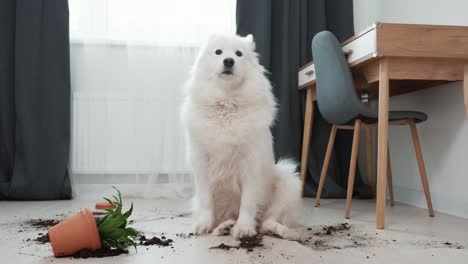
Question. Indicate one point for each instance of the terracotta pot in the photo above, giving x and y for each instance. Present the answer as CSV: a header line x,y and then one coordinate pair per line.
x,y
74,234
105,205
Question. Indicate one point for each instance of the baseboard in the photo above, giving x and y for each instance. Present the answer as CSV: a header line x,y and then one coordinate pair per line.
x,y
440,203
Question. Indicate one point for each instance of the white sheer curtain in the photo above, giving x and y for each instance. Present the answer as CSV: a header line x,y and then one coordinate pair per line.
x,y
129,60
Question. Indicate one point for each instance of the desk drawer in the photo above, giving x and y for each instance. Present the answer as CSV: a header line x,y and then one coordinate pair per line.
x,y
306,75
361,47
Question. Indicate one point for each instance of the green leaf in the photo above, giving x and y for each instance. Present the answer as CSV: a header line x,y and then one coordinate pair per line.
x,y
102,220
116,234
109,201
129,212
117,211
123,225
111,224
131,232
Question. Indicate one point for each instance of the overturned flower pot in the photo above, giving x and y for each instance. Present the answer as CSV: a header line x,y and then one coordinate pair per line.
x,y
74,234
82,232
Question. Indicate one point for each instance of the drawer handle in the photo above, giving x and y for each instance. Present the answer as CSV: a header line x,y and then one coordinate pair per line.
x,y
309,73
348,52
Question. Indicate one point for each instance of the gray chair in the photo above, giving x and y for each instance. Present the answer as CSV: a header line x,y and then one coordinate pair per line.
x,y
339,103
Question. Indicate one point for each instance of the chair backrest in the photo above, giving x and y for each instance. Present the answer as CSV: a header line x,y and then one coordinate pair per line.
x,y
337,99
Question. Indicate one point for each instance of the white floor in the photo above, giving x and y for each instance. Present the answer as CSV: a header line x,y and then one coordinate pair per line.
x,y
410,236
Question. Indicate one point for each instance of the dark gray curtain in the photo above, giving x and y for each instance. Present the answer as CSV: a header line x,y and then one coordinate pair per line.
x,y
34,100
283,31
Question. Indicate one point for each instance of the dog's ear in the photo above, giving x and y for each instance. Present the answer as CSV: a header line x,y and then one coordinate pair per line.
x,y
250,41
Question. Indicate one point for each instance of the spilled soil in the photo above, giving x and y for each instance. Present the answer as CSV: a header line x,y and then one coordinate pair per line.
x,y
343,236
100,253
42,223
182,235
142,241
251,242
330,230
331,237
247,243
452,245
43,239
224,247
317,238
162,242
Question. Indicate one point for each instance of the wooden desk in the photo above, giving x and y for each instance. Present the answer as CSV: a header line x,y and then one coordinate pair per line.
x,y
395,59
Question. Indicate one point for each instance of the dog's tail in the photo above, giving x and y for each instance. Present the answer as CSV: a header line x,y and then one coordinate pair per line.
x,y
287,194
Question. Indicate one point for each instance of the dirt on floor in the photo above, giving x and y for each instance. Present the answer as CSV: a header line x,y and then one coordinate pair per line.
x,y
100,253
42,223
326,237
43,239
317,238
162,242
247,243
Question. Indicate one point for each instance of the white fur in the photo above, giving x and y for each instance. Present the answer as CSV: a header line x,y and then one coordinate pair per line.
x,y
227,120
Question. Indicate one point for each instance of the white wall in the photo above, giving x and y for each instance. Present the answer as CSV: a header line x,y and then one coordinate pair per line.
x,y
444,137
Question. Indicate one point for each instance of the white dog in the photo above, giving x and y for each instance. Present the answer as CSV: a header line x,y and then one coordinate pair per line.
x,y
228,111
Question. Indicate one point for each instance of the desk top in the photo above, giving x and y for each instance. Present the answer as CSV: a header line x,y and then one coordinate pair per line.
x,y
419,45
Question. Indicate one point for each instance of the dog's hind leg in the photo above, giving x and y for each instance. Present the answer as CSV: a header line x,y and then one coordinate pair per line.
x,y
285,200
224,228
277,217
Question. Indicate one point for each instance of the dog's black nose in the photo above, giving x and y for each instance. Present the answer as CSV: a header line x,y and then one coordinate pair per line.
x,y
228,62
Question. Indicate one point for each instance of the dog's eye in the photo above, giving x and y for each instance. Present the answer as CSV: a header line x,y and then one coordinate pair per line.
x,y
238,53
219,52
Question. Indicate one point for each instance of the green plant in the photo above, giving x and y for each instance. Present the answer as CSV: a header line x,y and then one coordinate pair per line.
x,y
113,229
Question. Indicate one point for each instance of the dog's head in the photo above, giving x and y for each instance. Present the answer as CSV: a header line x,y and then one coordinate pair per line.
x,y
227,58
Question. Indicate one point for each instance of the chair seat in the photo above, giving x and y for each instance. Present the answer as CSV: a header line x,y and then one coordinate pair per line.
x,y
371,117
417,116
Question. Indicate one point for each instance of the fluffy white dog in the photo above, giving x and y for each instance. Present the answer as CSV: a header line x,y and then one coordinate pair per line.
x,y
227,113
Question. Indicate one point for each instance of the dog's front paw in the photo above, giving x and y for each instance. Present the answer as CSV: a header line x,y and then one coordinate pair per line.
x,y
241,230
271,227
204,224
224,228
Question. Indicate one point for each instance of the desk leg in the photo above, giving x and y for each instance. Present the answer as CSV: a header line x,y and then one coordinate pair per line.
x,y
382,145
465,88
370,159
308,120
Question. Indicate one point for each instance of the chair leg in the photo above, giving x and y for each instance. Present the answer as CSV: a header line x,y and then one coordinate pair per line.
x,y
422,169
352,167
389,177
323,175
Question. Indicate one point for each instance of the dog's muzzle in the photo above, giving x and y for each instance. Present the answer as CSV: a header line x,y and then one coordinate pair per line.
x,y
228,66
227,71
